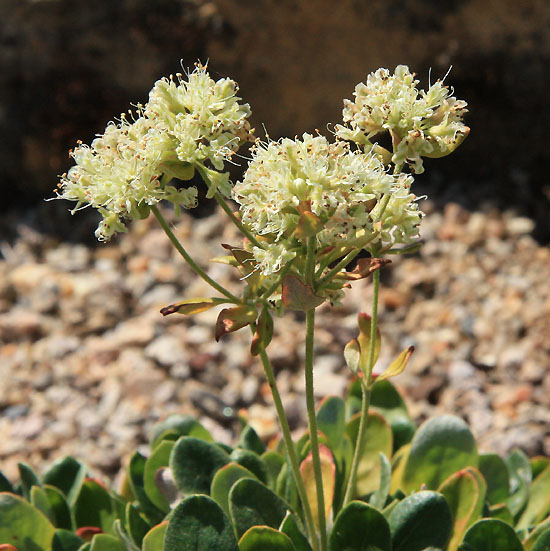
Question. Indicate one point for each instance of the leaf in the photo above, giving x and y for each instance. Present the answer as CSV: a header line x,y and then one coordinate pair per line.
x,y
289,526
249,440
274,462
331,421
199,524
5,484
233,319
386,400
194,463
538,505
519,469
379,497
136,471
378,439
296,295
67,474
398,365
263,334
364,267
28,479
223,482
23,526
64,540
251,461
136,526
491,535
154,539
192,306
39,499
59,508
360,527
264,538
495,472
465,493
543,542
365,322
182,425
419,521
94,506
328,475
442,446
106,542
160,457
352,355
253,504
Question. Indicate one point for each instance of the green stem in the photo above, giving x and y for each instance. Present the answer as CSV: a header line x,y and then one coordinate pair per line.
x,y
313,432
366,387
290,449
340,266
310,261
194,266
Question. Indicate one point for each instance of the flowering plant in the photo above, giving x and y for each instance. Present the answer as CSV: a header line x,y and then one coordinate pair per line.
x,y
315,215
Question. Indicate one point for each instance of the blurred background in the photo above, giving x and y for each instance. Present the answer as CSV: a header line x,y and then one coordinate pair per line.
x,y
70,66
88,364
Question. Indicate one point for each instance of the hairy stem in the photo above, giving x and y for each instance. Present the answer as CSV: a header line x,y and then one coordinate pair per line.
x,y
194,266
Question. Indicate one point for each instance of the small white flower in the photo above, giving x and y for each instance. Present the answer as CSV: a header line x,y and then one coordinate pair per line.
x,y
422,124
339,186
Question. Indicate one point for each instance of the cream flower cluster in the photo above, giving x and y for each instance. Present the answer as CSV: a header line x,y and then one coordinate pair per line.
x,y
184,125
341,187
421,123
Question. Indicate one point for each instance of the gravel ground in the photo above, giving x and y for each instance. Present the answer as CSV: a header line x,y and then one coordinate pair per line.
x,y
88,364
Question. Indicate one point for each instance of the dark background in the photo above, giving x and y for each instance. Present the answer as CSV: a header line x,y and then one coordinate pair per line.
x,y
67,67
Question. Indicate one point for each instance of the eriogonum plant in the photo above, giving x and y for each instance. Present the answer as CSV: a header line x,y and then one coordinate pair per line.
x,y
307,208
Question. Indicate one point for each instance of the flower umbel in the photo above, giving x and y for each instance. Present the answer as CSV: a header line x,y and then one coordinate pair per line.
x,y
339,187
421,123
127,169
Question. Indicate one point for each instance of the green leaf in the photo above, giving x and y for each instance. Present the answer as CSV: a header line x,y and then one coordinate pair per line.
x,y
67,474
194,463
519,469
251,461
94,506
64,540
158,459
538,464
253,504
352,355
5,484
40,500
289,526
378,439
360,527
398,365
537,532
154,539
136,471
331,421
106,542
538,505
249,440
136,526
223,481
379,497
264,332
182,425
24,526
442,446
59,508
28,479
495,472
199,524
491,535
192,306
386,400
543,542
299,296
264,538
419,521
274,462
465,493
501,511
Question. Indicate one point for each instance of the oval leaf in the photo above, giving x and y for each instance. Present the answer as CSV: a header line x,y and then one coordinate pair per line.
x,y
360,527
194,463
223,481
442,446
299,296
154,539
264,538
398,365
419,521
158,459
233,319
491,535
199,524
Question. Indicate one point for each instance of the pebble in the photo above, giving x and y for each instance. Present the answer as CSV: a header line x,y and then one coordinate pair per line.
x,y
88,364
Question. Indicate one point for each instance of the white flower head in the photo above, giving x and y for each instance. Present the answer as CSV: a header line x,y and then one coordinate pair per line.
x,y
341,187
421,123
203,116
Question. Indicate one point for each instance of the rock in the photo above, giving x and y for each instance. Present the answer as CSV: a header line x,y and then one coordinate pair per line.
x,y
167,350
